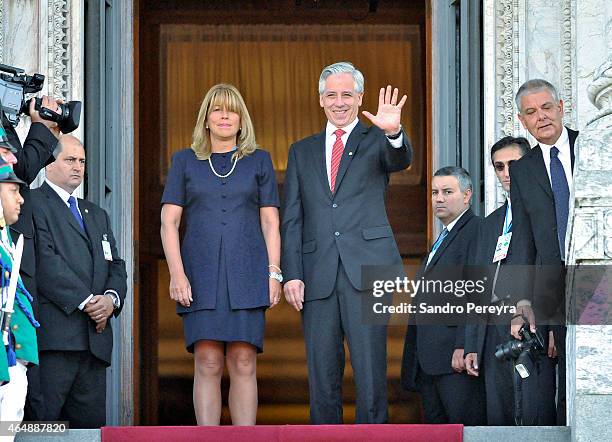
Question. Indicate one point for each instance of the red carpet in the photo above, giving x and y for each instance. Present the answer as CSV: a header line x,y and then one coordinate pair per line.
x,y
271,433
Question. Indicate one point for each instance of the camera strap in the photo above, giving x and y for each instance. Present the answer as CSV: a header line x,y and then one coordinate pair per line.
x,y
518,395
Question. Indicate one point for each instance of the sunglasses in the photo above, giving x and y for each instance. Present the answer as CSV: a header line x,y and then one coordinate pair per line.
x,y
500,166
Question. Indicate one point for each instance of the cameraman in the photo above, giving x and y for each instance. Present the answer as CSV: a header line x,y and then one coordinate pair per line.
x,y
27,160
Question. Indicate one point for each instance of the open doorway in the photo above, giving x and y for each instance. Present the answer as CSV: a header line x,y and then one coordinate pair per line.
x,y
273,52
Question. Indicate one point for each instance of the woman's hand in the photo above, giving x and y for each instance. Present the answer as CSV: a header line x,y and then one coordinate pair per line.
x,y
180,290
275,291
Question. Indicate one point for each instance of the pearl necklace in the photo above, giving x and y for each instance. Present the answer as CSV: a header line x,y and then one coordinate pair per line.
x,y
235,161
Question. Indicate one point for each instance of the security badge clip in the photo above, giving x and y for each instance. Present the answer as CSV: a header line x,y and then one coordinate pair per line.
x,y
106,248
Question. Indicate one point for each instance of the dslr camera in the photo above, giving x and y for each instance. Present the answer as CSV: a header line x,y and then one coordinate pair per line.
x,y
519,351
15,84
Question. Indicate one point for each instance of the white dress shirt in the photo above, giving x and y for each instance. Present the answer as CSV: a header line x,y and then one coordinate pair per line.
x,y
450,225
64,195
330,139
564,155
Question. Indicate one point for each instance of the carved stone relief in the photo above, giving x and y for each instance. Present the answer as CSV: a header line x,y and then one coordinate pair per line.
x,y
567,88
592,234
59,49
506,65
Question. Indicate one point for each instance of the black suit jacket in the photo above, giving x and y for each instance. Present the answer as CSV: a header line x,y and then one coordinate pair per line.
x,y
71,266
319,227
36,153
535,234
427,346
482,268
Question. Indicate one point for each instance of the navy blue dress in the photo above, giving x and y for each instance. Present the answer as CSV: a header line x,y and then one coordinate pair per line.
x,y
223,249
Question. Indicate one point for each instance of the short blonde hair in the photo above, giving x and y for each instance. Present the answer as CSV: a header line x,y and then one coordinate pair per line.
x,y
227,97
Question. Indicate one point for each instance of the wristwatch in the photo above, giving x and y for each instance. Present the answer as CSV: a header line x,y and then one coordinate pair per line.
x,y
277,276
395,136
115,297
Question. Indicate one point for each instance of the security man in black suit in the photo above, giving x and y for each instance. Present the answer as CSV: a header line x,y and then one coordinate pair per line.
x,y
82,283
541,183
27,161
537,394
433,360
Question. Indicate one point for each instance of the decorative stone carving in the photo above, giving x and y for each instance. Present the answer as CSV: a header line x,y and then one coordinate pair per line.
x,y
592,234
506,64
568,45
59,49
592,183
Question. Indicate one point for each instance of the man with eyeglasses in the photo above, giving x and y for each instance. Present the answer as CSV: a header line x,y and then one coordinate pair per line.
x,y
483,338
82,283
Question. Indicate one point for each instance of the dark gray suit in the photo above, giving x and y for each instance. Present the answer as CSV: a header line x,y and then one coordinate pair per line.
x,y
326,239
71,266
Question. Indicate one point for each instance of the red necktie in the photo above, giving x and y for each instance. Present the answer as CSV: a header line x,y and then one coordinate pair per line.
x,y
336,157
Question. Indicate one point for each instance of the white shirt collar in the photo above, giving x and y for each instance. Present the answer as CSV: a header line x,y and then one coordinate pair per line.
x,y
450,225
562,142
330,128
61,192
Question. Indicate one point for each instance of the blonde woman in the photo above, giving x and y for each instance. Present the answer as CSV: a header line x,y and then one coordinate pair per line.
x,y
226,271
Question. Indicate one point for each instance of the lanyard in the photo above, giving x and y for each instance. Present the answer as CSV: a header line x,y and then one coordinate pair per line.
x,y
507,220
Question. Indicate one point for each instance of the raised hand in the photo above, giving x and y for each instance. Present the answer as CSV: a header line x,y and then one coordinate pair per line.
x,y
389,112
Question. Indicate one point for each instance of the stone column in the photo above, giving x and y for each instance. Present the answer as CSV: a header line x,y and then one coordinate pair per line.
x,y
590,234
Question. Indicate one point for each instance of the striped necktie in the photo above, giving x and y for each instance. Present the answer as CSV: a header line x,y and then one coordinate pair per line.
x,y
336,157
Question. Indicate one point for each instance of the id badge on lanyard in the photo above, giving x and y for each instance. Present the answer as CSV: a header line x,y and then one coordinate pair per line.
x,y
503,242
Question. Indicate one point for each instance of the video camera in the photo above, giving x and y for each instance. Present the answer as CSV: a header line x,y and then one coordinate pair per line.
x,y
531,346
15,84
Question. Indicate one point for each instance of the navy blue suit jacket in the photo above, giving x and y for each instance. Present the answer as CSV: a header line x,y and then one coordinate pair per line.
x,y
221,220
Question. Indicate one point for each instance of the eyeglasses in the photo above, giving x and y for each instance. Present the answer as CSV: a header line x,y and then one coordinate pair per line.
x,y
500,166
